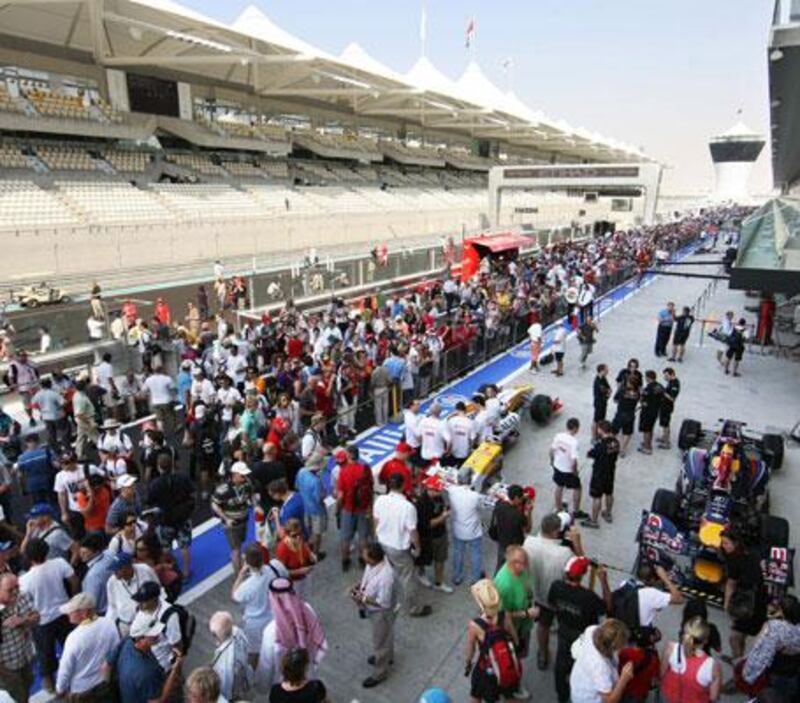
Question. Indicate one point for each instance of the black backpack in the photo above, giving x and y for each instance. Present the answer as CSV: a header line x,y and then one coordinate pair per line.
x,y
187,621
625,605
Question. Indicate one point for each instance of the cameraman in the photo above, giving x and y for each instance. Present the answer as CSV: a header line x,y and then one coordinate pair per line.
x,y
376,598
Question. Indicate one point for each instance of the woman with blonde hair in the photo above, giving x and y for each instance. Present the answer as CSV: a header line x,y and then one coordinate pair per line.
x,y
595,677
688,674
484,685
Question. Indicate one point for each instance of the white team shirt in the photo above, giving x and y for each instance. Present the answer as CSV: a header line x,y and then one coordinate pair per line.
x,y
411,421
462,435
565,451
435,436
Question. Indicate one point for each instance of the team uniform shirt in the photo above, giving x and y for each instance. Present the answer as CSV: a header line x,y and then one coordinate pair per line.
x,y
397,519
565,452
411,421
44,583
462,435
435,436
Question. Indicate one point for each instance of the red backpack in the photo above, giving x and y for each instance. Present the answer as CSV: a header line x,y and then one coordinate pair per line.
x,y
498,656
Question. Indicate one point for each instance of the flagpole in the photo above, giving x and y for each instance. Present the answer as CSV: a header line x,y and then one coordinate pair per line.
x,y
423,30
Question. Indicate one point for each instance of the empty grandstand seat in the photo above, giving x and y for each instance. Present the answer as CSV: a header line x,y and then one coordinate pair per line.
x,y
66,158
111,202
203,201
24,204
127,161
12,157
200,163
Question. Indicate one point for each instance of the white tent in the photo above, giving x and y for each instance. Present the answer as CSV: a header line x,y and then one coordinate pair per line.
x,y
255,23
355,55
474,84
423,74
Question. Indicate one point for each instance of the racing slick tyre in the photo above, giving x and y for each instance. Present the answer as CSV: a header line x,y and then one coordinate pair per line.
x,y
541,409
774,531
773,448
666,503
689,434
32,303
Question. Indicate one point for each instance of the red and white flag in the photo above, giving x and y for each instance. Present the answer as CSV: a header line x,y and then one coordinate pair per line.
x,y
470,32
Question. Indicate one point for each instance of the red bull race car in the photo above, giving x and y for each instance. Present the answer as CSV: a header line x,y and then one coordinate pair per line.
x,y
723,483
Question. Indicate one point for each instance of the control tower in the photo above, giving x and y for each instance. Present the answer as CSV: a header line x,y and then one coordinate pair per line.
x,y
734,154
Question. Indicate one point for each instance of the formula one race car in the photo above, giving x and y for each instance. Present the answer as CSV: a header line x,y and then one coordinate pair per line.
x,y
723,483
43,294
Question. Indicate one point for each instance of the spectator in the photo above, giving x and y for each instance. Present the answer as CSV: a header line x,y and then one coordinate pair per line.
x,y
203,686
511,521
465,510
311,490
172,492
354,496
434,435
45,583
547,559
100,566
83,412
251,590
432,516
594,677
376,597
153,607
396,530
36,466
126,580
231,503
50,404
16,638
576,608
295,685
687,672
140,678
293,552
535,336
126,502
81,671
69,482
230,657
161,390
398,464
289,502
41,525
564,460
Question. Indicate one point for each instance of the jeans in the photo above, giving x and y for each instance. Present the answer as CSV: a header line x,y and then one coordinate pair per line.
x,y
475,559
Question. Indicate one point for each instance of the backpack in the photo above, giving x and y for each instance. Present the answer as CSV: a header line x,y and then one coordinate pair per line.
x,y
187,622
498,657
625,605
362,495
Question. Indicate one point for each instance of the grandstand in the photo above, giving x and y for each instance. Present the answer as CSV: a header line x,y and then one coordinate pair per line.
x,y
194,144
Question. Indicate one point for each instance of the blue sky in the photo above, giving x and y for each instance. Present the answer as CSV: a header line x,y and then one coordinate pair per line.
x,y
661,74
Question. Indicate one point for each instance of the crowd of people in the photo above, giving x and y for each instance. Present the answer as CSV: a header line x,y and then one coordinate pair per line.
x,y
257,425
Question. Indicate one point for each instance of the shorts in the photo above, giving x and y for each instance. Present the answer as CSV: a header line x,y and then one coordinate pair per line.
x,y
566,480
316,524
624,424
352,524
680,340
559,356
182,534
602,483
735,354
439,549
599,413
236,534
664,418
647,422
546,614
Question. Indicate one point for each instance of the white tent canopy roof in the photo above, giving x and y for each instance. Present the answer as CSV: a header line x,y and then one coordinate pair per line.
x,y
423,74
474,84
355,55
255,23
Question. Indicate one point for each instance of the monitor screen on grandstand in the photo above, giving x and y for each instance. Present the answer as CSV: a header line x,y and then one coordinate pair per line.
x,y
153,95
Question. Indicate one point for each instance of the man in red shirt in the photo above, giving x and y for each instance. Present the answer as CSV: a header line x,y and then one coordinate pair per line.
x,y
276,433
354,494
294,347
399,465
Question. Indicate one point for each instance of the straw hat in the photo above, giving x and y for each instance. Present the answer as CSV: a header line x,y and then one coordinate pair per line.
x,y
486,596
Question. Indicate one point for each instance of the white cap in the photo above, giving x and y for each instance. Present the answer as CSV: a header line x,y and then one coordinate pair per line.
x,y
144,625
126,481
197,371
80,601
239,467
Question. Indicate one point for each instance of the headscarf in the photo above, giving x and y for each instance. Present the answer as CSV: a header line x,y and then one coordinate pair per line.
x,y
296,624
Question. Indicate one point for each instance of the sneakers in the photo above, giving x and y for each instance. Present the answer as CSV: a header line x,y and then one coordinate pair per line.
x,y
424,580
422,612
371,682
593,524
521,694
644,450
608,517
580,515
442,588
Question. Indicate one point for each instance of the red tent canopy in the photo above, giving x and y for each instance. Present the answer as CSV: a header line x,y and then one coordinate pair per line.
x,y
500,242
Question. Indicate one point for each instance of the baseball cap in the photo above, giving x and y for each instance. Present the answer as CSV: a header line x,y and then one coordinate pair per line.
x,y
576,566
149,590
121,560
340,455
404,448
80,601
435,695
239,467
126,481
42,509
144,625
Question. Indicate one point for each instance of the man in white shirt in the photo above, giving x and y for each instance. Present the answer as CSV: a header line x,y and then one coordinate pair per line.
x,y
462,432
161,389
558,348
51,408
202,389
128,578
651,596
564,460
44,583
395,520
227,397
104,377
94,327
434,435
235,367
81,669
115,440
535,335
465,516
153,608
411,420
68,481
